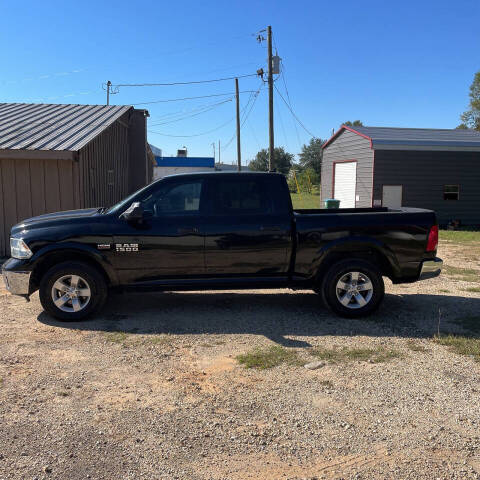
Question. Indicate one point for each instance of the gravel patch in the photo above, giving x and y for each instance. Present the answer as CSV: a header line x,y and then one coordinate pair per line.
x,y
152,388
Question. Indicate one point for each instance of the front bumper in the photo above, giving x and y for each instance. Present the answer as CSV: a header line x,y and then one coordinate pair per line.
x,y
17,283
431,268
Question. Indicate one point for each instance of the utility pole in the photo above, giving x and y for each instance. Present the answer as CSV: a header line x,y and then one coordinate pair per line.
x,y
239,153
270,100
219,151
213,145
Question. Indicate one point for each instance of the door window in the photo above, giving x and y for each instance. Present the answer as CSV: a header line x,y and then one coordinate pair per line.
x,y
175,199
240,196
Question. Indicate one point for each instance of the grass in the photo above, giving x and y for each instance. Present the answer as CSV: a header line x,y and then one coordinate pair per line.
x,y
263,358
472,289
305,200
465,274
415,346
460,236
163,339
373,355
117,337
461,345
444,290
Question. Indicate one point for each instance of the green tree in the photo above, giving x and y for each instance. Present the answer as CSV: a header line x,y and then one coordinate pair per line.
x,y
282,161
471,118
355,123
311,155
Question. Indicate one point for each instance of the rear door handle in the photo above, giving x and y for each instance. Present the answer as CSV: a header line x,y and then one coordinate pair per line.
x,y
186,230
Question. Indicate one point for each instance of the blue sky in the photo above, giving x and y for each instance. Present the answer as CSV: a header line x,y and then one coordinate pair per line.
x,y
405,64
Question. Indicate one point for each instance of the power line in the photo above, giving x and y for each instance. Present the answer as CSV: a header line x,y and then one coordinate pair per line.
x,y
293,113
196,134
290,103
206,109
191,98
182,83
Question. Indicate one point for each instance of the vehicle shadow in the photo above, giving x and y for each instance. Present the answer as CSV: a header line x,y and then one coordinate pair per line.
x,y
276,316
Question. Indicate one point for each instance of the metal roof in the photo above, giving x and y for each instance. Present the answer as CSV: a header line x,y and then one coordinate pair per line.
x,y
30,126
398,138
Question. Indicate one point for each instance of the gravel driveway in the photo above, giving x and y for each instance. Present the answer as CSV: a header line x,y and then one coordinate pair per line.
x,y
152,388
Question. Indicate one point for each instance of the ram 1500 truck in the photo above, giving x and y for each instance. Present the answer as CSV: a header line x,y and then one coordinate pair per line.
x,y
211,231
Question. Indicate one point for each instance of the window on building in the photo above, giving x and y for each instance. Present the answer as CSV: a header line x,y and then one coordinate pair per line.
x,y
451,192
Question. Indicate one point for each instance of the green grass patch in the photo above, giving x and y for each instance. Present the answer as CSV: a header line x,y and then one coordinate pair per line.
x,y
461,345
163,339
472,289
450,270
305,200
117,337
263,358
373,355
459,236
415,346
444,290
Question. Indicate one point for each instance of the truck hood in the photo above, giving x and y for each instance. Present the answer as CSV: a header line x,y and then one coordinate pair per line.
x,y
53,219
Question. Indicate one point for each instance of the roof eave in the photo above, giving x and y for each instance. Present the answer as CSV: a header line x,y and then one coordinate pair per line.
x,y
38,154
342,129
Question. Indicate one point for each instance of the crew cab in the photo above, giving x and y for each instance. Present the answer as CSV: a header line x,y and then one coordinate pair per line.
x,y
212,231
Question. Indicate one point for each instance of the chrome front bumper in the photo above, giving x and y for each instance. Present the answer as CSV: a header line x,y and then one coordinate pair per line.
x,y
17,283
431,268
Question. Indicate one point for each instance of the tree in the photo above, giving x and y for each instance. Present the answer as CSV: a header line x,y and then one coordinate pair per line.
x,y
355,123
311,155
471,118
282,161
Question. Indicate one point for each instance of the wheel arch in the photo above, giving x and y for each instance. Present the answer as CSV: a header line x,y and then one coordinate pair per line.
x,y
367,251
55,256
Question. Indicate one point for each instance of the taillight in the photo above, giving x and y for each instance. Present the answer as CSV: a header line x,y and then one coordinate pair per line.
x,y
432,242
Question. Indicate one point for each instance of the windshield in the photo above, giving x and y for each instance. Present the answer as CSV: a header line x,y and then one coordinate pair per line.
x,y
126,201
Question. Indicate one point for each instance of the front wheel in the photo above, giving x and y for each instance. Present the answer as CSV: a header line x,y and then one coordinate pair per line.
x,y
72,291
353,288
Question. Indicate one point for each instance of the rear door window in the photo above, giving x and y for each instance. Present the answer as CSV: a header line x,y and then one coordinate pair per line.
x,y
238,196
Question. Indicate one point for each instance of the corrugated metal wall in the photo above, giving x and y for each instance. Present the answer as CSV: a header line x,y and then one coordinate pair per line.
x,y
98,177
349,146
104,166
30,187
423,175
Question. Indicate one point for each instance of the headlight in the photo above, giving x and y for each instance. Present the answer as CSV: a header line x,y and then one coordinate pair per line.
x,y
19,249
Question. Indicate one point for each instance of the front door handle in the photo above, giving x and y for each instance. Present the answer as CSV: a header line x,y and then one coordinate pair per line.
x,y
187,230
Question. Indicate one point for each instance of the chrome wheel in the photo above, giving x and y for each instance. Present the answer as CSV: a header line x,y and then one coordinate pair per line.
x,y
354,290
71,293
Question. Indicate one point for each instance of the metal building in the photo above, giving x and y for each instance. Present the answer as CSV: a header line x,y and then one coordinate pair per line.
x,y
410,167
61,157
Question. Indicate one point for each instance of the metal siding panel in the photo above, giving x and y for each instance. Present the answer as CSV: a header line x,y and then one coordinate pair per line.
x,y
423,175
52,190
22,189
37,186
3,236
349,146
10,202
76,185
65,174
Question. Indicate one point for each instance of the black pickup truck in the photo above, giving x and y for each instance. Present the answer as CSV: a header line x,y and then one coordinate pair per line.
x,y
211,231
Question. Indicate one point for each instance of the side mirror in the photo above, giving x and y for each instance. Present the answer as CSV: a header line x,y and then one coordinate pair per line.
x,y
134,213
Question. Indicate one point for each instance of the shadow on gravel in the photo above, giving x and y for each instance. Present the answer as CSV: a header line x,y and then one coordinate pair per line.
x,y
274,316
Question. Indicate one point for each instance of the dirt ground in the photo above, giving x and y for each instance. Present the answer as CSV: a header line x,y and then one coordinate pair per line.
x,y
152,389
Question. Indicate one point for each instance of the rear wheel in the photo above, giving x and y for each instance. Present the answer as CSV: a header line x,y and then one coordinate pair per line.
x,y
353,288
72,291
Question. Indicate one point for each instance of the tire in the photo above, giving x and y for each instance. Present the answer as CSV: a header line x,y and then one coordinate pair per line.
x,y
348,280
66,282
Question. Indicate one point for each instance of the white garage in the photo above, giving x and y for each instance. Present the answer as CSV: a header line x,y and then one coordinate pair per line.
x,y
345,183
